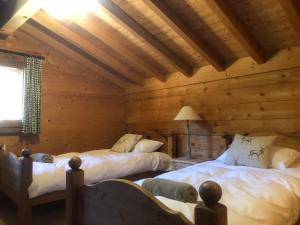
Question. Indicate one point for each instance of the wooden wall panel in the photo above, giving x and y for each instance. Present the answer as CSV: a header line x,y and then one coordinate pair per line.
x,y
79,110
245,98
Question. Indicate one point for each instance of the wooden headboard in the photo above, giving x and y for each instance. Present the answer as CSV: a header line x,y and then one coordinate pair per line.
x,y
214,145
228,139
281,140
169,140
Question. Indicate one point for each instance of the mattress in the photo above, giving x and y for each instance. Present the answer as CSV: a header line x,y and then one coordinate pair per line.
x,y
98,165
253,196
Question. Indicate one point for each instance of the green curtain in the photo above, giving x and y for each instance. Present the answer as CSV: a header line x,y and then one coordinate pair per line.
x,y
32,95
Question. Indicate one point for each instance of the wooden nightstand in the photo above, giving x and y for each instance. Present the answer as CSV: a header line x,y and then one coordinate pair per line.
x,y
182,162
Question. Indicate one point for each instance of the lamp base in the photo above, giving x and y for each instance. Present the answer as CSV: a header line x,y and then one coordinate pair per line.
x,y
188,155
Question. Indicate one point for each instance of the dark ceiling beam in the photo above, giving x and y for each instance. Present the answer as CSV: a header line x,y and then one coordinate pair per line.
x,y
292,9
94,26
137,30
103,58
73,52
184,31
237,28
14,13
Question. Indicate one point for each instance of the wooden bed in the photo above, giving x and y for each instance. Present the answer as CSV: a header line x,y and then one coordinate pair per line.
x,y
16,177
121,202
284,141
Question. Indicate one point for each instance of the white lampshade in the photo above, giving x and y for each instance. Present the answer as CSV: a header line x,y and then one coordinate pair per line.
x,y
187,113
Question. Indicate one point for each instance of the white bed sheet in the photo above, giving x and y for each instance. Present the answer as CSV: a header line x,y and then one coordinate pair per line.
x,y
98,165
253,196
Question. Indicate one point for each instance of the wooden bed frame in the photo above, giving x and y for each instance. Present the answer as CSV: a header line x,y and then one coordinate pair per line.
x,y
115,202
294,144
16,177
121,202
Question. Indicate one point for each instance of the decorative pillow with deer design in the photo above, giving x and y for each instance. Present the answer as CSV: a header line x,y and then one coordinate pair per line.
x,y
126,143
250,151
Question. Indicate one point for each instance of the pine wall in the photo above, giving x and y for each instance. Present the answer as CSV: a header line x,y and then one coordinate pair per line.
x,y
80,111
245,98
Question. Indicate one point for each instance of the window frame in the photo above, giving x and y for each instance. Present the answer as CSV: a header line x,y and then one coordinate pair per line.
x,y
8,127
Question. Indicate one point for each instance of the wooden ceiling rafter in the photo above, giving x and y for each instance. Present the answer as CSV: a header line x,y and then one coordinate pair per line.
x,y
136,49
166,13
237,28
107,61
89,25
50,38
292,9
13,14
140,32
22,53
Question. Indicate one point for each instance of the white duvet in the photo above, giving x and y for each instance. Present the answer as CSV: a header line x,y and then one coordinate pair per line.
x,y
253,196
98,165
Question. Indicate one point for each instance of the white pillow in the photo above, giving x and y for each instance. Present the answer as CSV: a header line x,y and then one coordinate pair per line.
x,y
222,157
147,146
250,151
282,157
126,143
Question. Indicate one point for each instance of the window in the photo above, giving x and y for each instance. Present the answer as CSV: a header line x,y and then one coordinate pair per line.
x,y
11,95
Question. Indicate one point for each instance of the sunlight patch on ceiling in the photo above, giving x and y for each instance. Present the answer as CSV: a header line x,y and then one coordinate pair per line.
x,y
68,9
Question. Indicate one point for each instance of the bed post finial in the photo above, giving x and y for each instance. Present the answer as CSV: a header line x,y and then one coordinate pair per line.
x,y
210,192
75,163
26,152
75,180
210,211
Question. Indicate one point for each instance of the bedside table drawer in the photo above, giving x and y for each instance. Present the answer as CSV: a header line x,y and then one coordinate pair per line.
x,y
179,165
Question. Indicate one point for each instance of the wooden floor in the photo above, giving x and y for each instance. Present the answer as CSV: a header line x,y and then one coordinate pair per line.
x,y
50,214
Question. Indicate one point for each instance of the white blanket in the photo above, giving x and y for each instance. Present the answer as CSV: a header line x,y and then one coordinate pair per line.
x,y
98,165
253,196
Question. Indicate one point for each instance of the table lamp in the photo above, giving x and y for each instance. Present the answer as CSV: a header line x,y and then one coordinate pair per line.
x,y
188,114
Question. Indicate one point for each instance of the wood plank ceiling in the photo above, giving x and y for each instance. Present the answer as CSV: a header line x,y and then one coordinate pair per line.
x,y
130,41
